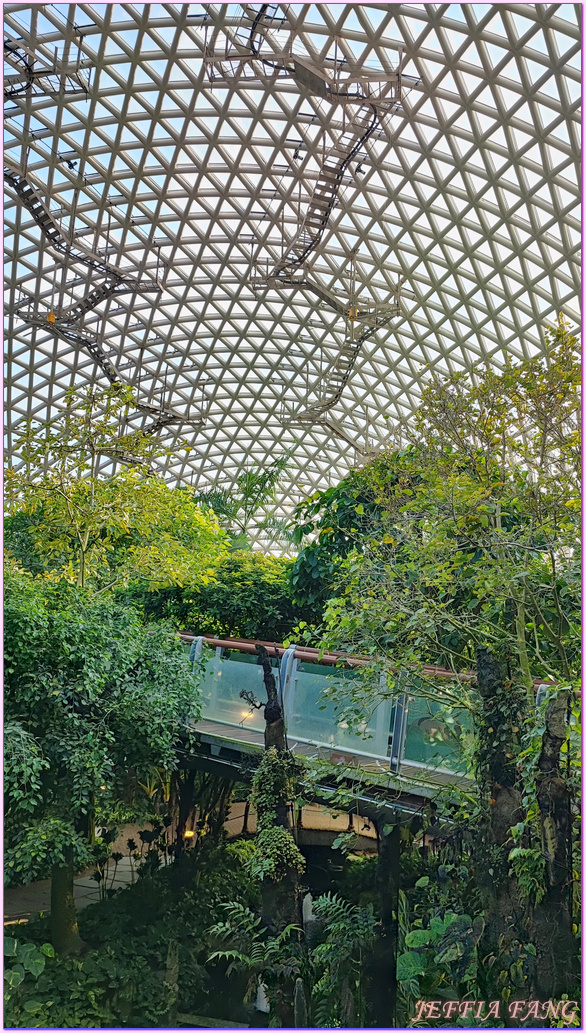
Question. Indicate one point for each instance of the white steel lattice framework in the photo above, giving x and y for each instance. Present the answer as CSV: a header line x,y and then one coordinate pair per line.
x,y
179,146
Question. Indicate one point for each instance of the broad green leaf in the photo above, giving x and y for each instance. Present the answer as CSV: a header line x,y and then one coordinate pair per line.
x,y
410,965
14,976
418,937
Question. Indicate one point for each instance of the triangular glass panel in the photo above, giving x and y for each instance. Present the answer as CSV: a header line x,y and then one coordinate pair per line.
x,y
522,25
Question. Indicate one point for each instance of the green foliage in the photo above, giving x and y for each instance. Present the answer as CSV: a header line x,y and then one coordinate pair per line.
x,y
240,507
94,693
330,525
438,939
528,867
250,948
23,958
122,979
330,968
337,961
357,880
475,549
274,780
72,523
23,767
250,597
105,988
33,849
471,532
276,852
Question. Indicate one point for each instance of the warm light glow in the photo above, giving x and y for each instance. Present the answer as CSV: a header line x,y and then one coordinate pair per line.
x,y
189,834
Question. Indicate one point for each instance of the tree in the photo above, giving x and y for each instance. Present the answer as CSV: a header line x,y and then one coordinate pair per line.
x,y
330,525
91,693
473,562
250,597
88,686
70,521
239,508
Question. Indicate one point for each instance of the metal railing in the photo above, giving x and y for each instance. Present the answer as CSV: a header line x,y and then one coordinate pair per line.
x,y
408,734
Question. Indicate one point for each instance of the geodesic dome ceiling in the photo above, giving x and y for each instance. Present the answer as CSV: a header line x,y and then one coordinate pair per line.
x,y
275,220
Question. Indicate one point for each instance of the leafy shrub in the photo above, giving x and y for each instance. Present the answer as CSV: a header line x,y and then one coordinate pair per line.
x,y
126,977
250,598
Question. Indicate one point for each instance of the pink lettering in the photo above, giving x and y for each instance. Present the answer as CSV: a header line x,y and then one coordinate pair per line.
x,y
449,1008
515,1006
465,1007
566,1004
532,1010
431,1014
493,1010
421,1005
550,1008
479,1009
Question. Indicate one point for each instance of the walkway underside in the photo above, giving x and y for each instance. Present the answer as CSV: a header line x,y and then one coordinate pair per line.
x,y
378,794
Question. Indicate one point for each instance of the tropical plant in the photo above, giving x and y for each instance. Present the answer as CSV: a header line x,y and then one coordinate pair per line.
x,y
250,597
338,993
247,945
70,518
329,969
473,562
95,694
240,508
145,950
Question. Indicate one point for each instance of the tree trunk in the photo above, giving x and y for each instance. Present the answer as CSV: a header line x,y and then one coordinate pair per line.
x,y
506,912
219,812
274,726
64,931
383,963
552,920
280,900
498,777
281,905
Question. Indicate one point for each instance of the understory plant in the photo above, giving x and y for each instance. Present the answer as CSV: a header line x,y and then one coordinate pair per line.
x,y
145,951
320,975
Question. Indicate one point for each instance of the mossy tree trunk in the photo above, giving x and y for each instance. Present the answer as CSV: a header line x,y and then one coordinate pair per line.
x,y
552,919
510,917
281,904
383,962
64,930
503,708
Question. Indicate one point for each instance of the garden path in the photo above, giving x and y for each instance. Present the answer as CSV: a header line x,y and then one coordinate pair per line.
x,y
22,903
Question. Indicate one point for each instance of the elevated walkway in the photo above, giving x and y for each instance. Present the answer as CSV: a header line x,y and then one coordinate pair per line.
x,y
396,762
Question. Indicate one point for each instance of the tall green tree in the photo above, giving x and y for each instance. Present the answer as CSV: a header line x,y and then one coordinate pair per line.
x,y
92,694
73,519
472,560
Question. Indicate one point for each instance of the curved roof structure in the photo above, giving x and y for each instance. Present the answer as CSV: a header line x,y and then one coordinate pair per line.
x,y
274,220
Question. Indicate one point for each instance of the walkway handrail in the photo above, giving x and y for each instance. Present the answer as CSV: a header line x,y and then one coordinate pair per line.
x,y
309,654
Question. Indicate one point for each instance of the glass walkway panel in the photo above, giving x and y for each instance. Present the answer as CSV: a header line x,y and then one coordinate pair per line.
x,y
410,734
